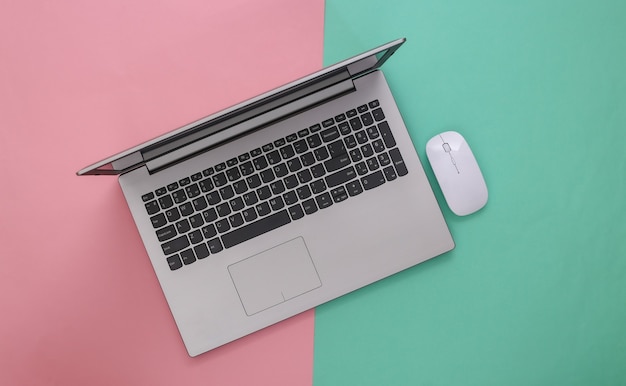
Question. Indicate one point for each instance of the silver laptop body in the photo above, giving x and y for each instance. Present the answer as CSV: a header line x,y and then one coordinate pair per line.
x,y
281,203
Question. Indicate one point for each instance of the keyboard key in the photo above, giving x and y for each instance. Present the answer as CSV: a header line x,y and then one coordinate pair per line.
x,y
174,262
236,204
307,159
179,196
362,108
172,214
350,141
244,157
256,228
361,137
221,166
220,179
196,220
324,200
263,209
267,147
344,128
195,237
367,119
215,245
339,194
318,186
187,256
367,150
385,132
209,215
390,173
208,171
260,163
166,202
374,103
267,175
196,177
175,245
233,174
340,117
247,168
254,181
250,198
398,162
213,198
172,186
279,142
314,141
222,225
232,162
361,168
235,220
206,185
294,165
277,203
309,206
291,181
321,153
303,133
372,132
264,193
201,251
378,114
209,231
161,191
186,208
329,135
316,127
384,159
296,212
223,209
152,207
166,233
336,148
292,137
183,226
373,180
227,192
355,155
256,152
287,152
304,176
351,113
318,170
328,122
185,181
147,197
354,187
240,187
341,177
192,190
158,221
290,197
281,170
249,214
378,146
372,164
355,123
337,162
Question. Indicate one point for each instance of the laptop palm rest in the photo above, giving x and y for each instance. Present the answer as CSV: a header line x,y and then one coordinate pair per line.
x,y
274,276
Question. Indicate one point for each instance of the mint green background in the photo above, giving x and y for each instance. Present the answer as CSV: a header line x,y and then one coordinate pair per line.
x,y
535,291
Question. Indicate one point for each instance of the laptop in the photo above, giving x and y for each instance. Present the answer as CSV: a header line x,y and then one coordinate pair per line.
x,y
282,202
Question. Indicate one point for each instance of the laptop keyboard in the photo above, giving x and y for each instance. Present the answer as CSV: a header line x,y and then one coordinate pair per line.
x,y
268,187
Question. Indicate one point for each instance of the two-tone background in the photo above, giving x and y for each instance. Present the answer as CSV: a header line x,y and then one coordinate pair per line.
x,y
533,294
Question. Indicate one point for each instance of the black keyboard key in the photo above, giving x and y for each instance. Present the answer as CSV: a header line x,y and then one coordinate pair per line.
x,y
196,177
240,187
367,119
250,198
215,245
361,168
147,197
390,173
263,209
267,175
206,185
174,262
249,214
223,209
316,127
318,170
291,181
264,193
321,153
209,215
196,221
294,165
340,117
172,186
199,203
367,150
152,207
314,141
277,203
158,221
232,162
179,196
329,135
233,174
208,171
378,114
222,225
172,214
175,245
372,164
166,202
186,208
185,181
341,177
303,133
398,162
318,186
292,137
290,197
350,141
324,200
166,233
244,157
260,163
274,157
236,204
192,190
209,231
328,122
221,166
339,194
183,226
300,146
246,168
309,206
307,159
384,159
372,132
267,147
195,237
279,142
220,179
355,155
256,228
281,170
287,152
337,162
336,148
201,251
304,176
378,146
256,152
213,198
187,256
235,220
227,192
354,187
355,123
296,212
344,128
373,104
373,180
361,137
362,108
161,191
254,181
351,113
385,133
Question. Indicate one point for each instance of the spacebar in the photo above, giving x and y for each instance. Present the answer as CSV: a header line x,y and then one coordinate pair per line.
x,y
256,228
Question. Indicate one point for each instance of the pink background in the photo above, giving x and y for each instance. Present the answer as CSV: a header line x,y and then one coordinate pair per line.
x,y
82,80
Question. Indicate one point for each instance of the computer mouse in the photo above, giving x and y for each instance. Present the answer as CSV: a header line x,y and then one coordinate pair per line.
x,y
457,172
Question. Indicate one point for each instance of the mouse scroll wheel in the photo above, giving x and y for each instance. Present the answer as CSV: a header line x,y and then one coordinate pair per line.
x,y
446,147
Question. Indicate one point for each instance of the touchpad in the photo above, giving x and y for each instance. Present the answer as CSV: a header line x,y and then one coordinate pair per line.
x,y
274,276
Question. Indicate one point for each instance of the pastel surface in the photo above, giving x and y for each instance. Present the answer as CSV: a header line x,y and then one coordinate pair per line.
x,y
534,292
80,303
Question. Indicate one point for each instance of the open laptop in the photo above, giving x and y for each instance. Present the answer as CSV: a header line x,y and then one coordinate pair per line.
x,y
282,202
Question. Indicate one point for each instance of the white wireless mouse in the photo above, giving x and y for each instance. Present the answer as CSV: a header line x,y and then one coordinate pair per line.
x,y
457,172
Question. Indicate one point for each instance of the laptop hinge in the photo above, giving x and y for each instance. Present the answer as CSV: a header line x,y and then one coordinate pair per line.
x,y
259,121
